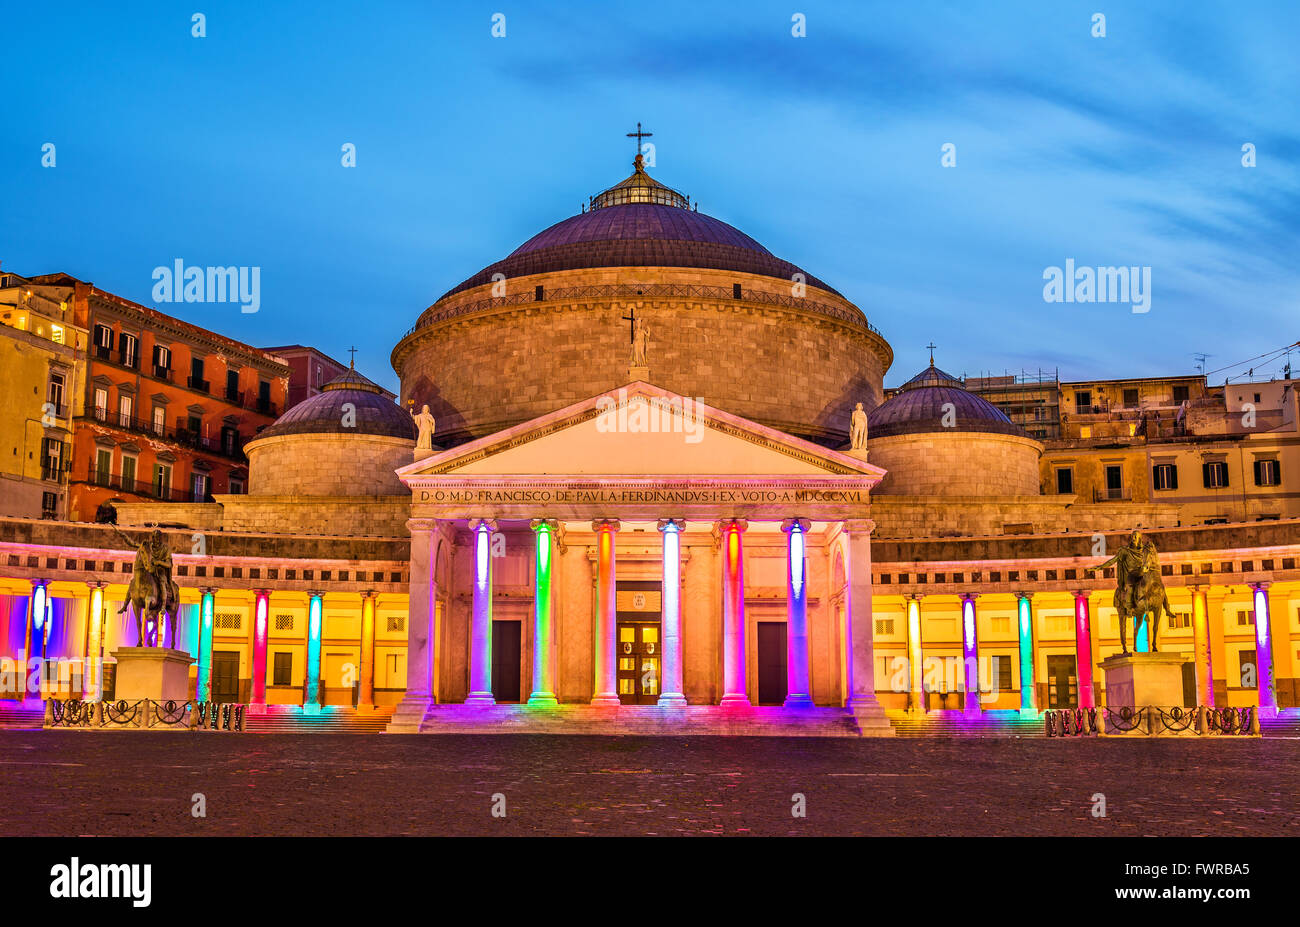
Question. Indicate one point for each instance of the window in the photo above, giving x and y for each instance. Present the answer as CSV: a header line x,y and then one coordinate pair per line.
x,y
1181,394
397,622
284,622
49,504
56,392
129,355
1257,399
1215,474
1180,620
229,440
236,486
228,621
283,673
159,419
1165,476
884,626
232,385
125,408
51,458
103,466
101,403
196,375
1082,401
1246,668
103,341
1267,473
1131,398
128,473
1245,618
1065,480
162,362
1002,667
199,483
162,480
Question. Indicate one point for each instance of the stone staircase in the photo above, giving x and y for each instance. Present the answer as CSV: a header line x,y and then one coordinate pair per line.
x,y
955,724
333,719
1286,724
16,717
634,720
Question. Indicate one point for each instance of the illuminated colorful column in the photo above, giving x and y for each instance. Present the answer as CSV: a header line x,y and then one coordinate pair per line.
x,y
1083,649
261,609
480,653
858,646
92,671
1203,653
315,618
915,658
543,693
734,689
671,612
1264,653
37,630
798,693
1025,623
366,690
970,639
605,661
203,679
421,626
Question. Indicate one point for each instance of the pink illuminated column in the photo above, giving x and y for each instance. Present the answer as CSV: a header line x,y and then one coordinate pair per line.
x,y
798,694
480,643
1204,655
671,612
970,638
1083,649
605,661
734,689
1264,673
260,613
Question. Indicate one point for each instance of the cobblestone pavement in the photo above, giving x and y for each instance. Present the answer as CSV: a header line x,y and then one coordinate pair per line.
x,y
79,783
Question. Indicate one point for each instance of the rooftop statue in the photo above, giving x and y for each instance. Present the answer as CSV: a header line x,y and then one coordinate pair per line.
x,y
858,429
152,591
640,342
424,423
1139,591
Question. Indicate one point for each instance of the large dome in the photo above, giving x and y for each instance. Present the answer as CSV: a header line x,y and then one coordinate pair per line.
x,y
639,222
728,323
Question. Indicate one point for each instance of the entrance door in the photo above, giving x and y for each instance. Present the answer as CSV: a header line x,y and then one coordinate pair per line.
x,y
1189,684
640,646
225,676
772,678
1062,683
506,655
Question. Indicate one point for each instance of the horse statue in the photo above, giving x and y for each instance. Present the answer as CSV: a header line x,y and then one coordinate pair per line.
x,y
1139,592
152,591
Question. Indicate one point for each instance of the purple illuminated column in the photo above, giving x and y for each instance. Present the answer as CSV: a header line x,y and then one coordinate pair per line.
x,y
1264,674
734,687
970,638
671,612
480,652
1083,649
261,609
798,694
605,662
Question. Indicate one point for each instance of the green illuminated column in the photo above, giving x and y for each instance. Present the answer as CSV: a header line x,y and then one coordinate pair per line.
x,y
203,682
543,616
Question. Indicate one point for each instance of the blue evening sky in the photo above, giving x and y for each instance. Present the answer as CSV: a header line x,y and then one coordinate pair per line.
x,y
1118,150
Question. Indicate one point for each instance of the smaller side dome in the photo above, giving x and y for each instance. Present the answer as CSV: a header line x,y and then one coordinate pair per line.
x,y
324,413
935,401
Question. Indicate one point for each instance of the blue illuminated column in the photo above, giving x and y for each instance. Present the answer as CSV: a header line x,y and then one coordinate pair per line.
x,y
480,654
971,652
1025,620
38,632
1264,675
315,616
671,612
203,679
798,694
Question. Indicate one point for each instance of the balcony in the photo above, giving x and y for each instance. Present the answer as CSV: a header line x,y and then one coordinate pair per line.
x,y
55,470
198,383
162,373
60,409
235,395
1112,495
229,445
103,352
129,361
115,482
267,407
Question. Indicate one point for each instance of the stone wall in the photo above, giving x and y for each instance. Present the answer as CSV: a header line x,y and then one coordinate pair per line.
x,y
956,463
327,465
984,516
791,367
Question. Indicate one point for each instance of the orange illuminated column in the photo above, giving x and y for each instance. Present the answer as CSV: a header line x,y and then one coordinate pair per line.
x,y
915,651
480,653
1204,655
92,667
366,696
606,655
734,690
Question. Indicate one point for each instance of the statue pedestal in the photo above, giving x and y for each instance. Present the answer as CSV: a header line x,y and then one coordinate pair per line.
x,y
1143,681
860,455
156,673
638,374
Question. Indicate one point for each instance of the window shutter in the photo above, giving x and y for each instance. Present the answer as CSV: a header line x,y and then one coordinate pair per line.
x,y
1173,476
1224,473
1259,474
1206,479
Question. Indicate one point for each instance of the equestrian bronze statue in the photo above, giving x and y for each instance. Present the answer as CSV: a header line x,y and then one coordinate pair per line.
x,y
152,591
1139,592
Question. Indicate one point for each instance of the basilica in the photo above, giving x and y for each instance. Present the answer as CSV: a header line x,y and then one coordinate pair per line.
x,y
644,476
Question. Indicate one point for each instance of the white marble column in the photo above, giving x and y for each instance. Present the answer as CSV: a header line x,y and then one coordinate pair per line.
x,y
480,654
858,647
671,695
734,683
798,693
605,664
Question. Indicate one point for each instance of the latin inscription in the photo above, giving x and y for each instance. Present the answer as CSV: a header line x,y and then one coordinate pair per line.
x,y
653,496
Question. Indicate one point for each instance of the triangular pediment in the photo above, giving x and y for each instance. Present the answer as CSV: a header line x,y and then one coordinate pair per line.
x,y
640,430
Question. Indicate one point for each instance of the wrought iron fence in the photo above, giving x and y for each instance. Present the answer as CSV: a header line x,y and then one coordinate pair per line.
x,y
1151,720
144,713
